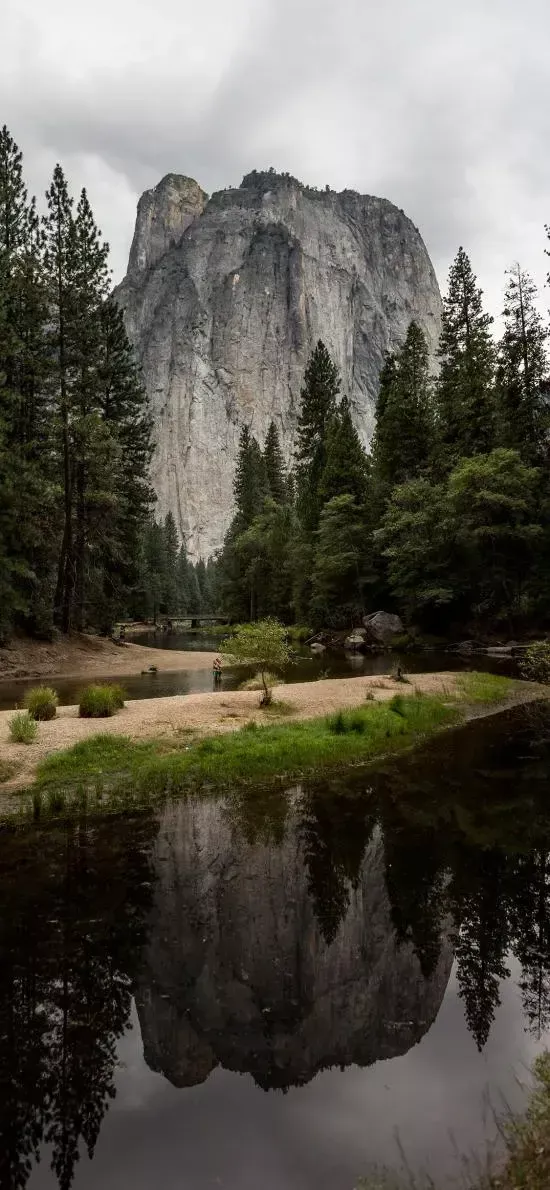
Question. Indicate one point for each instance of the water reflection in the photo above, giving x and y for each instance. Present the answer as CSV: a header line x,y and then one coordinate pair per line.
x,y
273,935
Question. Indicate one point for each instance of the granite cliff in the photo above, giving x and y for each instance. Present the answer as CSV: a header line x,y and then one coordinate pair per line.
x,y
225,298
244,969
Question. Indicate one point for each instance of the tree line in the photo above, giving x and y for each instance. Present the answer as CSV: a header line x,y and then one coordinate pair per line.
x,y
78,543
447,520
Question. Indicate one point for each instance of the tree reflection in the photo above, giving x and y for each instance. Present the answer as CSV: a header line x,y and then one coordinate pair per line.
x,y
334,832
71,913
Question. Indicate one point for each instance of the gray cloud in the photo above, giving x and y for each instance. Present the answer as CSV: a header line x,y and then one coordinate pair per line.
x,y
441,108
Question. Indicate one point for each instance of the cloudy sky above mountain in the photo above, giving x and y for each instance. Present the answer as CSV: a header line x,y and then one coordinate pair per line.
x,y
441,107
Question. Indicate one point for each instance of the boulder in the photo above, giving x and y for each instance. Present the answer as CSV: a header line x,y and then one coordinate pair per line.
x,y
355,641
381,627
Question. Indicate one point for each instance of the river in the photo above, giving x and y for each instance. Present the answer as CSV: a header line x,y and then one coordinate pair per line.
x,y
280,990
306,667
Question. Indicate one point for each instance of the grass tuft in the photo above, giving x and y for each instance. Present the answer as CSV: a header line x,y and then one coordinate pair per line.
x,y
101,701
23,729
41,703
8,769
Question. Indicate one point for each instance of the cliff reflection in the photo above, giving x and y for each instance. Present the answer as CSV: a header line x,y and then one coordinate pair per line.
x,y
273,935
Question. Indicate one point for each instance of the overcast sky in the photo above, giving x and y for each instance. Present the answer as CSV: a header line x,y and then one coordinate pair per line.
x,y
442,107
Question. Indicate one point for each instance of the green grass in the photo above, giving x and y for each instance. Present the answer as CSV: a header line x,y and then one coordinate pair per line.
x,y
484,688
23,728
101,701
8,769
298,633
41,703
250,755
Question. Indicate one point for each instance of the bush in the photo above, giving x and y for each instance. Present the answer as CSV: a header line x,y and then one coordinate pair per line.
x,y
41,703
119,695
535,664
337,724
298,633
100,702
397,705
23,729
262,643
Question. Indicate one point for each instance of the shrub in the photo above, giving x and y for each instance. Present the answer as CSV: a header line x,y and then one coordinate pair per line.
x,y
41,703
298,633
397,705
100,702
535,664
23,729
119,695
337,724
262,643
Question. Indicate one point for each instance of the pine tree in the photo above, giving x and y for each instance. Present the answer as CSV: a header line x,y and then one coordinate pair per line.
x,y
465,396
170,576
250,485
346,470
94,495
274,464
183,595
59,259
404,422
124,408
341,563
522,403
27,500
318,406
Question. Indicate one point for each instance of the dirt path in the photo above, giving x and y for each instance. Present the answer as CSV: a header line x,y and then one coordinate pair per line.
x,y
203,714
82,656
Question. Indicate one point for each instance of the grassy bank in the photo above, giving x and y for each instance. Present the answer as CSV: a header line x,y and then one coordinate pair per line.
x,y
260,755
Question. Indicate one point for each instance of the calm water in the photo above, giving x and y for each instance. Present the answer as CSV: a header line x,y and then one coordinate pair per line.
x,y
280,991
308,667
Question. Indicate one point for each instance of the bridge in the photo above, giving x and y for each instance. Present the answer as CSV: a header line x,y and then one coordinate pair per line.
x,y
169,623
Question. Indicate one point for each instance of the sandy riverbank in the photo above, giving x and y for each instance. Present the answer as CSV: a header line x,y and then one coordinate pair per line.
x,y
82,656
204,714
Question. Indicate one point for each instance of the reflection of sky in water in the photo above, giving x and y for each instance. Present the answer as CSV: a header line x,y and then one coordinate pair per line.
x,y
227,1132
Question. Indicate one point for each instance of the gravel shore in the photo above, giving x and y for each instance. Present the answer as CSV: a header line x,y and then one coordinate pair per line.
x,y
204,714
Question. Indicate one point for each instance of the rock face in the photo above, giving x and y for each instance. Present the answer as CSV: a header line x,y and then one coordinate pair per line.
x,y
381,627
238,970
224,301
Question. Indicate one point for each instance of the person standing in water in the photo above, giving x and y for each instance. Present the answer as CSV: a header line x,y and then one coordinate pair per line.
x,y
217,671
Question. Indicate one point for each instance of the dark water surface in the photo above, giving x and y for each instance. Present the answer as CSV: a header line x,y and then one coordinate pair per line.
x,y
278,991
307,667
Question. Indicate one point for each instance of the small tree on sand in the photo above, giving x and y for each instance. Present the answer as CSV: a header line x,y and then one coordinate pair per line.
x,y
263,644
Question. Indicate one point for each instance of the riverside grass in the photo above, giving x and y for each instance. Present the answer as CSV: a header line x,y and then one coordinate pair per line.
x,y
272,753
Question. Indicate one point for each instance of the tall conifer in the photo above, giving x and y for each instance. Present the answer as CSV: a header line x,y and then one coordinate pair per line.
x,y
318,406
404,421
274,463
465,388
522,372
